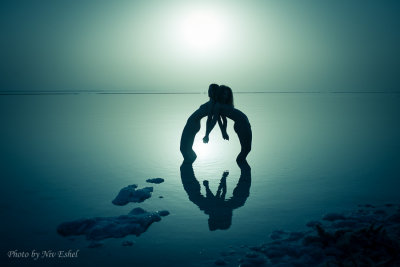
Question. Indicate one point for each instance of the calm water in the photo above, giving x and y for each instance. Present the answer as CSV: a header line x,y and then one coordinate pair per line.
x,y
64,157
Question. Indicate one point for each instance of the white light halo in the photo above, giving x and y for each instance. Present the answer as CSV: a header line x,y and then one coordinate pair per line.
x,y
203,29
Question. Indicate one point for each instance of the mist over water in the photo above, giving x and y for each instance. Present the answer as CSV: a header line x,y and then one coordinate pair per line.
x,y
183,46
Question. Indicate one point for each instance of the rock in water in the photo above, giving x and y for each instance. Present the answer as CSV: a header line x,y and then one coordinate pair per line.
x,y
98,228
163,213
367,237
131,194
155,180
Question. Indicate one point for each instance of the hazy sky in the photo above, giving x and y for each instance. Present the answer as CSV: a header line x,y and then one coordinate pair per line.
x,y
185,45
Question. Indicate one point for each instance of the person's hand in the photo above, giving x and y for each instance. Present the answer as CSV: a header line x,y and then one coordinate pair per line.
x,y
225,136
205,139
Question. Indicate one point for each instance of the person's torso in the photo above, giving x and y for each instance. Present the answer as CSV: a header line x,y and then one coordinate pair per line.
x,y
232,113
200,113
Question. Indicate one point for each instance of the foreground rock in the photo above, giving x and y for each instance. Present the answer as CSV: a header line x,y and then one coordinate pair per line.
x,y
131,194
98,228
368,236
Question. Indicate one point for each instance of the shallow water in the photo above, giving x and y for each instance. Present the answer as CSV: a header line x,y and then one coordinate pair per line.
x,y
65,157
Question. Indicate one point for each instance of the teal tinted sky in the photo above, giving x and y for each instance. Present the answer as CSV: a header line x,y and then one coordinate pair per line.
x,y
158,46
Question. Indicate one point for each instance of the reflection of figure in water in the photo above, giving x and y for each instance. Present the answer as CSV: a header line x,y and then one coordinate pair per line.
x,y
193,125
222,186
242,125
216,206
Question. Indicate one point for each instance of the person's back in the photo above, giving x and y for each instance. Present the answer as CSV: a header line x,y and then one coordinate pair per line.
x,y
193,126
242,128
200,113
232,113
189,132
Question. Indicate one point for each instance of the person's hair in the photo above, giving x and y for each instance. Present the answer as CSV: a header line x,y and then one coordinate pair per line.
x,y
220,221
212,91
229,99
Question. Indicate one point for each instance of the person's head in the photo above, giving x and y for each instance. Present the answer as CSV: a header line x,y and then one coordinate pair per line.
x,y
212,91
220,220
225,95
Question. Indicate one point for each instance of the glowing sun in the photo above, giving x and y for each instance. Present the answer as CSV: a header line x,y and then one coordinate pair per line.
x,y
203,29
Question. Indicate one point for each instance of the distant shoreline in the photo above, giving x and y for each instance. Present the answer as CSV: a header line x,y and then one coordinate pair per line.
x,y
116,92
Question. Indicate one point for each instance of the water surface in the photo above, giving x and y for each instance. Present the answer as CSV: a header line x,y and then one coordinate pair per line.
x,y
64,157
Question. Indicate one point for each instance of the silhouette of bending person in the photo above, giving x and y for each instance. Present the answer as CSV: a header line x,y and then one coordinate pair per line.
x,y
219,209
193,125
242,125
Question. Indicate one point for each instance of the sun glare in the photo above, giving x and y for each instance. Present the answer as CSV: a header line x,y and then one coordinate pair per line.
x,y
217,149
202,29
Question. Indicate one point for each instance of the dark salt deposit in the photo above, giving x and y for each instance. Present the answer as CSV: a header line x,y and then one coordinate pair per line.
x,y
369,236
95,244
131,194
127,243
98,228
155,180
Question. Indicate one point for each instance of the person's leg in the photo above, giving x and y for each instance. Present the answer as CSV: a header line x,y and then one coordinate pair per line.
x,y
187,140
184,142
189,156
245,137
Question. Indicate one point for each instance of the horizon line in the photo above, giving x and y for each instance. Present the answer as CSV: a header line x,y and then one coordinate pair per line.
x,y
127,92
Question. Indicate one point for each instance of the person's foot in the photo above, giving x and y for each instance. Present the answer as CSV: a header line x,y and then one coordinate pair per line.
x,y
189,159
188,162
241,160
242,163
193,156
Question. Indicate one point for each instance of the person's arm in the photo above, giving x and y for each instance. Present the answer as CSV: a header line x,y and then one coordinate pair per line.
x,y
211,123
221,125
224,125
211,106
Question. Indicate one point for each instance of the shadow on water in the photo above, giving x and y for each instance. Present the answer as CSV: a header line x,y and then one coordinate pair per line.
x,y
216,206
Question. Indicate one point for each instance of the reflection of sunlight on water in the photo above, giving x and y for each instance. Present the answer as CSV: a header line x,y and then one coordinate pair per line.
x,y
217,152
204,150
215,157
